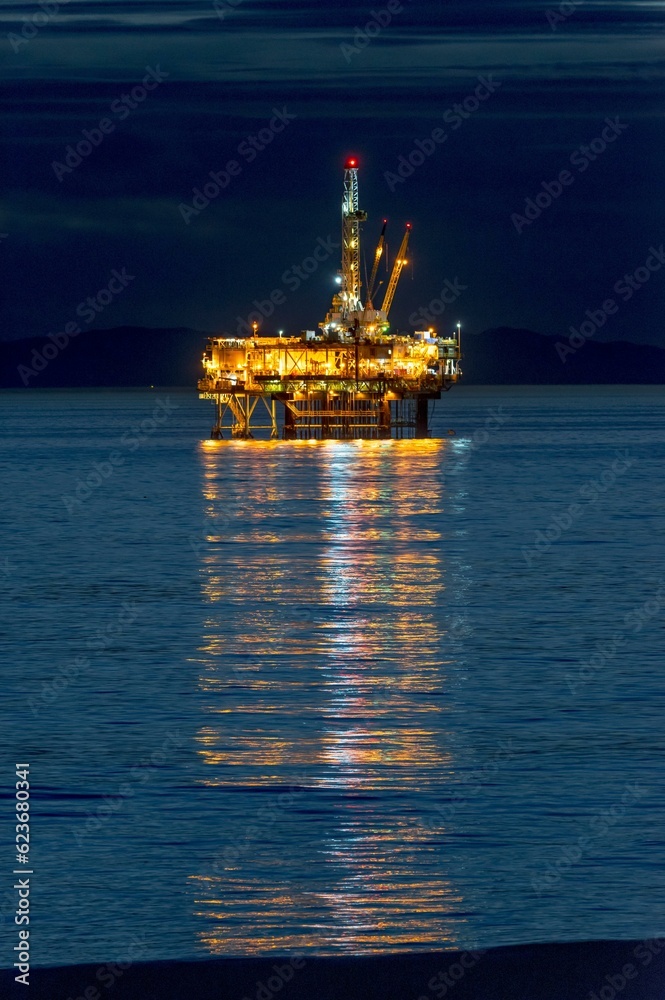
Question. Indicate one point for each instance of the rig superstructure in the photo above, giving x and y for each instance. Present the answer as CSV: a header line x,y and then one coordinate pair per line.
x,y
352,378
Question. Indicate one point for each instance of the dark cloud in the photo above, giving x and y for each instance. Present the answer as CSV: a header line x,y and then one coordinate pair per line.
x,y
120,206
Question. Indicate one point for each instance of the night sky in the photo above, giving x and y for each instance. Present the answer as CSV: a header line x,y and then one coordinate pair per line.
x,y
219,73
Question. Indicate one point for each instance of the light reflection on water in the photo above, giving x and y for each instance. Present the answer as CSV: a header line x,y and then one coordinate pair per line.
x,y
342,636
330,623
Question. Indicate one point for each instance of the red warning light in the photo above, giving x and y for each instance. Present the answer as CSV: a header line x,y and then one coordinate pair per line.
x,y
408,225
351,163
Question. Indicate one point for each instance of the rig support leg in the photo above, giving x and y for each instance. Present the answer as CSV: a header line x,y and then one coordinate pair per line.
x,y
216,431
325,420
289,423
247,415
421,417
385,419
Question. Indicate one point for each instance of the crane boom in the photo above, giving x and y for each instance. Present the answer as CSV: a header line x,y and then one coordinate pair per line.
x,y
400,261
378,253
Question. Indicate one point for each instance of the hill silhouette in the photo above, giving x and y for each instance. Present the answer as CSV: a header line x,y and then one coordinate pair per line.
x,y
135,356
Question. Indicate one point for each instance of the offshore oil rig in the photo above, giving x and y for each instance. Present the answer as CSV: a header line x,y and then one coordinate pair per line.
x,y
352,378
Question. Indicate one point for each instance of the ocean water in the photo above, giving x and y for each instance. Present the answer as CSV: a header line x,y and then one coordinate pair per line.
x,y
339,697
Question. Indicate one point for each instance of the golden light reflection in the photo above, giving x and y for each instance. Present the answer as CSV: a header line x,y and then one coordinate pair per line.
x,y
323,667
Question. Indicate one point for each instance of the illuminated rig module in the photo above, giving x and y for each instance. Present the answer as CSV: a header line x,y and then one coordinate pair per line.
x,y
350,379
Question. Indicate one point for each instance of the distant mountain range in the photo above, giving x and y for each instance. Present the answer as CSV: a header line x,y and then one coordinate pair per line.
x,y
520,357
135,356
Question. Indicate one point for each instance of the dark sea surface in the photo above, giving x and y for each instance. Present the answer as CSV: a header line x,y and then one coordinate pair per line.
x,y
335,697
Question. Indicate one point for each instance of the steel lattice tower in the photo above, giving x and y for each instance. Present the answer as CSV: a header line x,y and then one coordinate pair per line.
x,y
352,217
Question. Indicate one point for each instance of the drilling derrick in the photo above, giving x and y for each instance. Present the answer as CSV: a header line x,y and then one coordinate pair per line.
x,y
351,220
347,305
354,379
